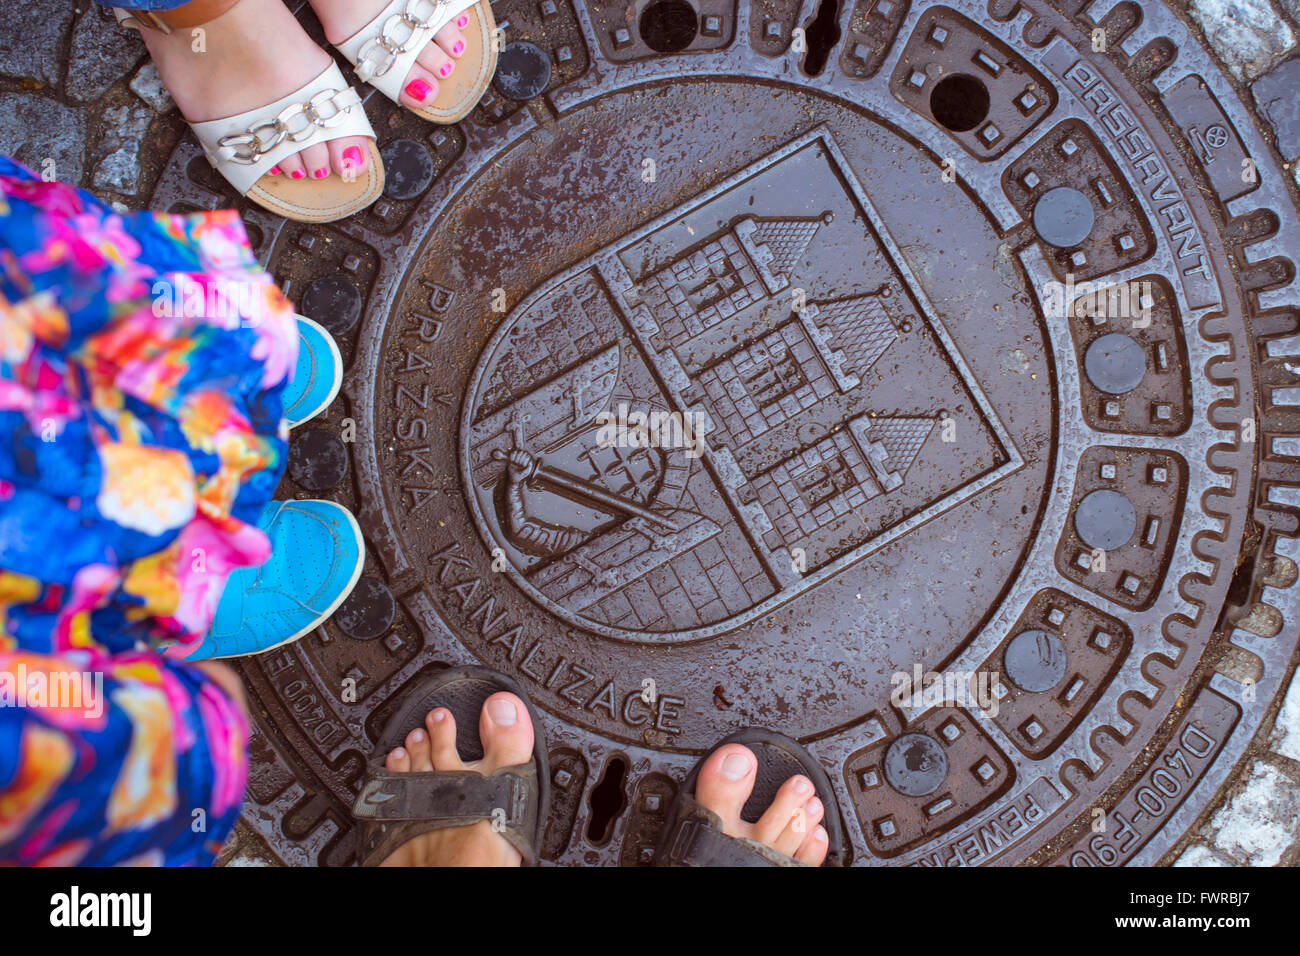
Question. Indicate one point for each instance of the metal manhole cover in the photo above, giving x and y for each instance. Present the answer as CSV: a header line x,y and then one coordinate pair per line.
x,y
908,385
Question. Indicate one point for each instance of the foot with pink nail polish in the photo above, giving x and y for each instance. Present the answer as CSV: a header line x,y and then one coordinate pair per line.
x,y
343,18
506,732
265,55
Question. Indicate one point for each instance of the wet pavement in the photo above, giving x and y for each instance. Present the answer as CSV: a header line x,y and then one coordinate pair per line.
x,y
836,253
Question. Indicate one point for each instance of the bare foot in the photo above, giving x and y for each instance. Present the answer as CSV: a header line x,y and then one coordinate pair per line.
x,y
791,825
507,734
342,18
253,54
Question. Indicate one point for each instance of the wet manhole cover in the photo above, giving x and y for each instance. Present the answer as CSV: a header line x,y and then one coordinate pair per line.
x,y
914,384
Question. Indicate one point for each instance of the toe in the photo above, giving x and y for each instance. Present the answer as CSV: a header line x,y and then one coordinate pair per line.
x,y
725,782
398,760
420,89
417,745
348,156
292,167
814,848
316,160
450,40
442,736
434,59
796,831
506,731
791,797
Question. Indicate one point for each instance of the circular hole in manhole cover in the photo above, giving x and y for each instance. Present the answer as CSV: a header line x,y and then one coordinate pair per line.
x,y
959,102
669,26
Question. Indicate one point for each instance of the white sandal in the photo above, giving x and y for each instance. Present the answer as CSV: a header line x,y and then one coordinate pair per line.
x,y
244,147
384,50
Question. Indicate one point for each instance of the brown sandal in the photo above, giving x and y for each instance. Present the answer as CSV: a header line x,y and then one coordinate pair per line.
x,y
394,808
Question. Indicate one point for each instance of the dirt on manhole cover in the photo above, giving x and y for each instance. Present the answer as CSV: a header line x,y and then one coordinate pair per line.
x,y
900,384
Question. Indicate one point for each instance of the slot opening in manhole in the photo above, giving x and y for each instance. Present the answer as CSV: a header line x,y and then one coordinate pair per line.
x,y
959,102
608,801
669,26
822,34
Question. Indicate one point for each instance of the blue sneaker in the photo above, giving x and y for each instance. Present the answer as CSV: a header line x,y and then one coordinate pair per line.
x,y
316,559
316,377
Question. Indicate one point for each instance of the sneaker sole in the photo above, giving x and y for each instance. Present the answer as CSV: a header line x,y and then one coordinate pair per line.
x,y
337,379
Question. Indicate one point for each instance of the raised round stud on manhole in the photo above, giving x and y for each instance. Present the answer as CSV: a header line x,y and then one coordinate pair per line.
x,y
1063,217
1105,519
1115,363
334,302
523,71
368,611
408,168
1034,660
915,765
318,459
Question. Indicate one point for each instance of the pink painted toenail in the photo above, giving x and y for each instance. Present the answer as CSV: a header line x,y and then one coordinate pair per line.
x,y
502,712
459,47
353,156
275,170
735,766
462,21
438,716
322,172
803,785
399,753
297,174
444,70
418,89
417,735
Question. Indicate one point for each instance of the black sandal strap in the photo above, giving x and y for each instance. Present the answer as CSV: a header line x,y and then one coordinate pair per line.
x,y
696,839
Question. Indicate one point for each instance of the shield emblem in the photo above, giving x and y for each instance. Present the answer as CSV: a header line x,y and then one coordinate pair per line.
x,y
722,410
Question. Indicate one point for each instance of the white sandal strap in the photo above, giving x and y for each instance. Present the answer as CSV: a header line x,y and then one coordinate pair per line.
x,y
384,50
244,147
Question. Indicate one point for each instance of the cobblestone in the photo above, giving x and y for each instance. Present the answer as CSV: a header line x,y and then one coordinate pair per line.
x,y
36,129
1258,825
96,64
31,39
124,130
1197,855
1286,734
1278,96
1249,36
147,85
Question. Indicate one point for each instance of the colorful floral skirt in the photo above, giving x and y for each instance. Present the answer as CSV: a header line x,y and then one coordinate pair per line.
x,y
142,359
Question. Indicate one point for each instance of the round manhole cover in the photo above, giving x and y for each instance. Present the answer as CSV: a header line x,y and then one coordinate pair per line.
x,y
933,427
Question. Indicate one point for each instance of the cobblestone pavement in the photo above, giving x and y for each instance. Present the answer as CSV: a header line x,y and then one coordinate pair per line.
x,y
79,100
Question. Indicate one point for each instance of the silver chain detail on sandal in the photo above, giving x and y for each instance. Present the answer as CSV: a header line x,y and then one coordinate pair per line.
x,y
377,56
295,122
